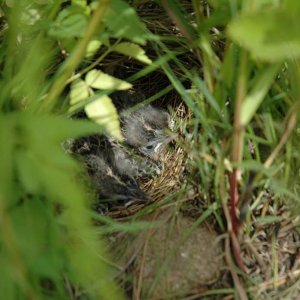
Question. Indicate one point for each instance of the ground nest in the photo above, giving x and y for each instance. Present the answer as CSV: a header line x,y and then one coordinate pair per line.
x,y
170,179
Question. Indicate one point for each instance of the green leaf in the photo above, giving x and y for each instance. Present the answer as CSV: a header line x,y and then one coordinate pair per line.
x,y
229,67
79,91
132,50
50,128
71,22
30,16
103,112
271,35
99,80
92,48
122,21
25,166
258,93
82,3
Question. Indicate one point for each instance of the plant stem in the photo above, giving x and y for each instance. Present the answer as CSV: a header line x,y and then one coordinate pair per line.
x,y
238,137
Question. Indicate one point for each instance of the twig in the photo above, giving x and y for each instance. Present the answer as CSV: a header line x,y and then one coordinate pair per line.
x,y
238,286
278,283
258,258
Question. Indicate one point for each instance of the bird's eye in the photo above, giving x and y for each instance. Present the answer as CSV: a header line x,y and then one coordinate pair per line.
x,y
149,147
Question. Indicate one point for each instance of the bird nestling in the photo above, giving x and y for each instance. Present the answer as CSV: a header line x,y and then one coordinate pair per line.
x,y
115,168
145,129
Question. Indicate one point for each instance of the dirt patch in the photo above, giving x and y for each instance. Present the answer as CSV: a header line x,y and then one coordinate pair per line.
x,y
173,259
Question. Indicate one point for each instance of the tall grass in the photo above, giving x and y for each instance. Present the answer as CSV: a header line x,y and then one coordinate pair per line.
x,y
238,73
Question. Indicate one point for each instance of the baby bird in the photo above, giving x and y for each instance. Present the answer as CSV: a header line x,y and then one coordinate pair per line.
x,y
145,128
115,168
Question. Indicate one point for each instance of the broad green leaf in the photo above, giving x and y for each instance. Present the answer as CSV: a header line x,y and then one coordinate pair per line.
x,y
99,80
92,47
122,21
258,93
83,4
71,22
270,35
30,16
103,112
133,50
79,91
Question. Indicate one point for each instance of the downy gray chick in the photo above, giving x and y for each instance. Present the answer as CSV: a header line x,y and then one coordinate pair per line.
x,y
115,168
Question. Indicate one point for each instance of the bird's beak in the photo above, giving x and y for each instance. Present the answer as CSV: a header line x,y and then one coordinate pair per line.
x,y
162,142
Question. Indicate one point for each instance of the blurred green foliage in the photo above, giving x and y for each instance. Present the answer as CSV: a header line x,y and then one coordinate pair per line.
x,y
222,51
47,239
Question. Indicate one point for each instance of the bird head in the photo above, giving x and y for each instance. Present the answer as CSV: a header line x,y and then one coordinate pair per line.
x,y
146,130
155,147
